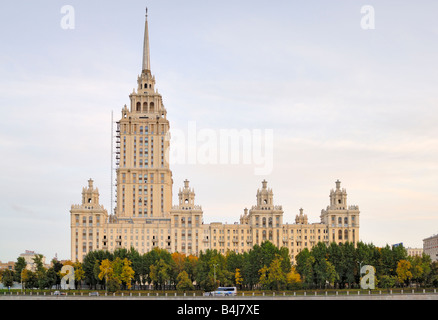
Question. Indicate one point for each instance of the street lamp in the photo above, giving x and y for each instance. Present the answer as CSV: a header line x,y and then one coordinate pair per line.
x,y
214,266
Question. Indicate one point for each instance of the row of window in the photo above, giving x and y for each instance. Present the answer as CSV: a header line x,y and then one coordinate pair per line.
x,y
137,129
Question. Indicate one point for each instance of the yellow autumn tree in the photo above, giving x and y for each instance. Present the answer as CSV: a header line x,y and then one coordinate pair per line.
x,y
106,270
127,273
238,277
404,274
293,279
79,271
179,259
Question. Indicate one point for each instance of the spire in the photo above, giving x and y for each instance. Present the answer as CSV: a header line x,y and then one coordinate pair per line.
x,y
146,53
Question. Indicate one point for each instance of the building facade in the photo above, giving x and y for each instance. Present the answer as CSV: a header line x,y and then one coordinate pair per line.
x,y
430,247
144,217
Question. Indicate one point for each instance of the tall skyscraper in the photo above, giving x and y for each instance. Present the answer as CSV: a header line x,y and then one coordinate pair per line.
x,y
144,179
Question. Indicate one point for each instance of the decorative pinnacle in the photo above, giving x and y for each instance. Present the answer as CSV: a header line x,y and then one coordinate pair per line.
x,y
146,52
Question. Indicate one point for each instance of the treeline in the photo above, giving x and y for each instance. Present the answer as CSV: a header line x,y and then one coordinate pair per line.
x,y
264,267
41,278
339,266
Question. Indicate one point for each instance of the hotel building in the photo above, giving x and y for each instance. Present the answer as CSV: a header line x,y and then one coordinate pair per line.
x,y
144,217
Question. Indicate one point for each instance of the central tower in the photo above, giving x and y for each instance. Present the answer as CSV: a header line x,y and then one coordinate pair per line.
x,y
144,179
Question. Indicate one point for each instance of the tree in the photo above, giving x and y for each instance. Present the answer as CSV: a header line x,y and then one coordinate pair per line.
x,y
106,271
387,282
18,268
190,264
79,273
273,277
304,267
404,274
293,279
211,270
178,266
28,279
238,277
7,278
127,274
91,266
40,272
260,256
137,265
51,277
184,283
421,268
152,257
159,273
433,275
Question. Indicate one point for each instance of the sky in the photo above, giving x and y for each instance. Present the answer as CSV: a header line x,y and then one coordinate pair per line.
x,y
347,94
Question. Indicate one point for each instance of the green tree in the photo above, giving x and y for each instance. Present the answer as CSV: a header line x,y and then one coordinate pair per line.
x,y
276,277
18,268
51,277
432,278
260,256
91,266
40,271
159,273
386,282
273,277
28,278
184,283
190,264
152,257
305,262
7,278
212,265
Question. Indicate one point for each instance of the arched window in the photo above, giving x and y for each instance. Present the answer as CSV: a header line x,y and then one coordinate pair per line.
x,y
151,107
340,234
138,106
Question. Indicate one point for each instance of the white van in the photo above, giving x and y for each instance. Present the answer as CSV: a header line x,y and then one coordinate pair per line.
x,y
225,291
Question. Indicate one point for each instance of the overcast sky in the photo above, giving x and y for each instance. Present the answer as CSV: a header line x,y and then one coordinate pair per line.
x,y
343,102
